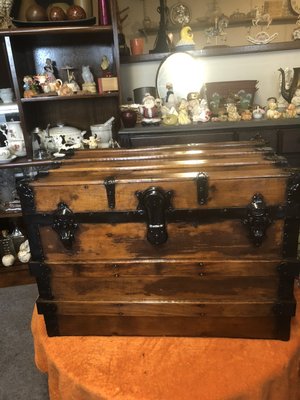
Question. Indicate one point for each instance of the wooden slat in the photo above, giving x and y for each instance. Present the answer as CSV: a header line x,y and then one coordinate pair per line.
x,y
226,239
222,193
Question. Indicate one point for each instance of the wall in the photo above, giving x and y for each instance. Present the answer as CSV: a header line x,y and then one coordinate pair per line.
x,y
262,67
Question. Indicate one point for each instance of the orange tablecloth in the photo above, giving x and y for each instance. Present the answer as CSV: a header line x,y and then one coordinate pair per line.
x,y
147,368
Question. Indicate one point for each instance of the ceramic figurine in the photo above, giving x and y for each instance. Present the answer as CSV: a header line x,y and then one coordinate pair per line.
x,y
92,142
49,70
258,112
272,112
246,115
183,117
29,86
86,74
104,65
170,119
296,98
186,41
8,260
291,111
194,109
149,110
5,11
170,100
233,115
24,254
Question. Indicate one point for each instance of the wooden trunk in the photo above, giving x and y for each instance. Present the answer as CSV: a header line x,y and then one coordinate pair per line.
x,y
197,240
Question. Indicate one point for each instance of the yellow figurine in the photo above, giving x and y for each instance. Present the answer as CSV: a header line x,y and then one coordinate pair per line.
x,y
186,39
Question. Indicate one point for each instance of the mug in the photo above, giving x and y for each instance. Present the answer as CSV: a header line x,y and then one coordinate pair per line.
x,y
17,147
137,46
6,95
4,153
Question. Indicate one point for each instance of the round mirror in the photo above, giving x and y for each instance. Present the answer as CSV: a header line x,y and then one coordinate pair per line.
x,y
183,72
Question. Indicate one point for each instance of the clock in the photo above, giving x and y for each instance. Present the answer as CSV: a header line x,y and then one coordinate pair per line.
x,y
295,6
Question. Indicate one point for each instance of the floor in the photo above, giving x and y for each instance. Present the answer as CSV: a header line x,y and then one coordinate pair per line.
x,y
19,377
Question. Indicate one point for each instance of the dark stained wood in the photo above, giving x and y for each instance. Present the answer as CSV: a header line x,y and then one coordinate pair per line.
x,y
276,133
16,275
206,279
218,51
234,327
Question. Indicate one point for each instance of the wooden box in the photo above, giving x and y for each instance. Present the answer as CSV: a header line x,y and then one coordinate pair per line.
x,y
195,240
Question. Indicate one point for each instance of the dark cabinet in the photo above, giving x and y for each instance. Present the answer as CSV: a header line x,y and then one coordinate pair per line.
x,y
27,49
282,135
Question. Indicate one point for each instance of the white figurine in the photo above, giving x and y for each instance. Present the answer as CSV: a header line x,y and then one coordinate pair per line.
x,y
87,76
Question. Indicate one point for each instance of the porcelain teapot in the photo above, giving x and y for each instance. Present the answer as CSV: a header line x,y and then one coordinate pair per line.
x,y
61,137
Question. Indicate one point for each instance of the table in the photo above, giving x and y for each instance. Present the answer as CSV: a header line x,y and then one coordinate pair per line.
x,y
147,368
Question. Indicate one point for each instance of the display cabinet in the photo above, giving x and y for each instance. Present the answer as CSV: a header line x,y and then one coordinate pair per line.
x,y
26,50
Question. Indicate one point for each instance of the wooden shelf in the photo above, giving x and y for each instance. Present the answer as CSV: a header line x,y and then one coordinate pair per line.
x,y
233,23
212,126
16,275
56,30
10,214
214,51
64,98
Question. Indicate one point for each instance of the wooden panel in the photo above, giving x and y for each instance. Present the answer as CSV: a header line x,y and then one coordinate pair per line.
x,y
13,276
226,239
160,267
291,141
161,139
92,196
167,289
256,327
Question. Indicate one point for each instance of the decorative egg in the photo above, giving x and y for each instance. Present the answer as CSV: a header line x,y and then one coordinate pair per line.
x,y
76,12
56,14
36,12
24,256
8,260
25,246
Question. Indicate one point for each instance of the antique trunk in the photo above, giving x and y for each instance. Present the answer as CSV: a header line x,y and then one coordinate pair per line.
x,y
195,240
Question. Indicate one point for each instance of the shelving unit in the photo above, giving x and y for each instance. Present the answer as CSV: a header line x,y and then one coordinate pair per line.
x,y
26,50
205,23
216,51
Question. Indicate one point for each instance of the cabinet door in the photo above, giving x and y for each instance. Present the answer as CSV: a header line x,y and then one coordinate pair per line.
x,y
182,138
291,146
269,135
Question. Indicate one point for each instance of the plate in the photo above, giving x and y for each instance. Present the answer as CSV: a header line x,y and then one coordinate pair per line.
x,y
76,22
180,14
8,160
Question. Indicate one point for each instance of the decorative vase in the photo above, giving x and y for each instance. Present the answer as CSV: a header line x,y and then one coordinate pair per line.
x,y
129,118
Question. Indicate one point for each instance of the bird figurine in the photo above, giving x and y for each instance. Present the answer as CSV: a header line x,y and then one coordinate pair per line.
x,y
104,63
186,41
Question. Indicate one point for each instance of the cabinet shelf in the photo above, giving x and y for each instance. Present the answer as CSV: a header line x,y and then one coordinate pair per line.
x,y
58,30
214,51
16,275
10,214
64,98
205,23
